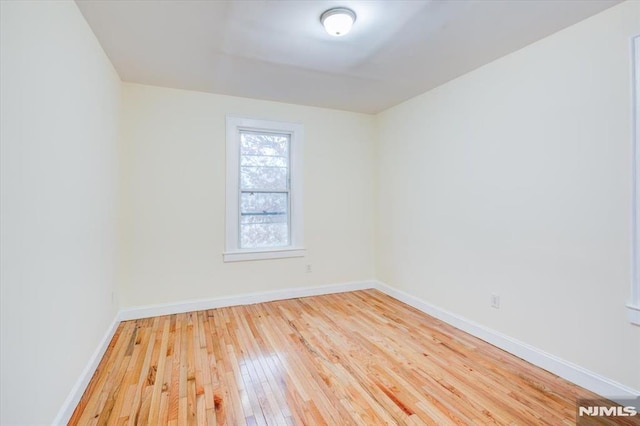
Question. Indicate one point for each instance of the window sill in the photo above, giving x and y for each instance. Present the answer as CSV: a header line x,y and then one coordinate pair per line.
x,y
634,314
241,256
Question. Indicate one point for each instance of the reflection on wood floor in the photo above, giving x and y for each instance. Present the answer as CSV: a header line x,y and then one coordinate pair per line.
x,y
350,358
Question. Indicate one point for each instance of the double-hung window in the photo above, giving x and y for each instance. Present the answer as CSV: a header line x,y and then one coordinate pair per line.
x,y
264,189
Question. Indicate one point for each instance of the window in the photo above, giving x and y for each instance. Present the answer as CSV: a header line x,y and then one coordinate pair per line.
x,y
264,189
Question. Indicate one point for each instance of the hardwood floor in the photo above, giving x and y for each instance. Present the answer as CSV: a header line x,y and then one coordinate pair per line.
x,y
351,358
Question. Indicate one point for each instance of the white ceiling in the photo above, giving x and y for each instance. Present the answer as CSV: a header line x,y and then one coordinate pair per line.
x,y
277,49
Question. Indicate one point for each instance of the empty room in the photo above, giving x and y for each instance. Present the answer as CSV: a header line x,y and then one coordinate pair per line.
x,y
279,212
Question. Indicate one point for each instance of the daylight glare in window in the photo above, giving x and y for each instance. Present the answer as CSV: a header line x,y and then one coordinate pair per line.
x,y
264,190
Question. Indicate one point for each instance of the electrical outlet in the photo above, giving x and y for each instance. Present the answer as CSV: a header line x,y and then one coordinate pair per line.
x,y
308,269
495,301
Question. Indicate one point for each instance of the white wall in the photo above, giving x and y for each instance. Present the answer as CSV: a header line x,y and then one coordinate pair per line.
x,y
515,179
60,102
174,193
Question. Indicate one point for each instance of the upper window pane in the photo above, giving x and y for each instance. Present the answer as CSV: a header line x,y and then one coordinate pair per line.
x,y
263,178
267,144
264,161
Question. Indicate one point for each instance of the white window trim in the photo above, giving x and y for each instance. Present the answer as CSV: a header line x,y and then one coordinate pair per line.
x,y
634,305
233,252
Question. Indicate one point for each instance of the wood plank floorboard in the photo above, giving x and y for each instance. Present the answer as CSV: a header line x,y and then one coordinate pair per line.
x,y
358,358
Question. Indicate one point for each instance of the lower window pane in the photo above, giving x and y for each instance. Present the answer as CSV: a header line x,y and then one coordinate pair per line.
x,y
262,235
265,203
264,219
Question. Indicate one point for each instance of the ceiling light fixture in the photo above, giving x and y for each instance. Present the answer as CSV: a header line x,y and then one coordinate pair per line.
x,y
338,21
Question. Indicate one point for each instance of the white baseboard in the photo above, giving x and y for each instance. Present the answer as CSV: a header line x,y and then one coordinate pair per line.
x,y
565,369
241,299
69,405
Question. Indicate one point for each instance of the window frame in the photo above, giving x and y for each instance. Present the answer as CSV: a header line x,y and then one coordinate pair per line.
x,y
633,307
233,252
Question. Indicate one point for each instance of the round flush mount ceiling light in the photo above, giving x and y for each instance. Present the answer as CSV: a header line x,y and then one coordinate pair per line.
x,y
338,21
